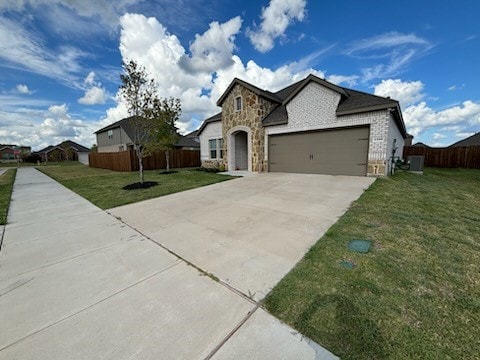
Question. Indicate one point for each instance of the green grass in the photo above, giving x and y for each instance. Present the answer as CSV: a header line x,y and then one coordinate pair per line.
x,y
416,295
104,187
6,186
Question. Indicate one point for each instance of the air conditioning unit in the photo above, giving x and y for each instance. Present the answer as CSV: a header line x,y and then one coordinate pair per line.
x,y
416,162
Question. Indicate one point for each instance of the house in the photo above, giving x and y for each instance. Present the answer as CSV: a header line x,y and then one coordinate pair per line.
x,y
420,145
119,137
193,135
65,151
473,140
311,126
9,152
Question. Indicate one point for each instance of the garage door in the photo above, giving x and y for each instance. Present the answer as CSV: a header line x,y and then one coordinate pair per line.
x,y
334,152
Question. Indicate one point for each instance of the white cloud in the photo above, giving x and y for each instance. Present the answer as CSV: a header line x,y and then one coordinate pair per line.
x,y
148,42
276,17
41,126
387,54
105,11
464,135
90,79
21,49
95,93
23,89
93,96
213,49
456,87
406,92
349,80
420,117
437,136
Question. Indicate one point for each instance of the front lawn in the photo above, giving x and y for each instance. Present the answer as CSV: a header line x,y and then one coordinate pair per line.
x,y
104,187
416,295
6,186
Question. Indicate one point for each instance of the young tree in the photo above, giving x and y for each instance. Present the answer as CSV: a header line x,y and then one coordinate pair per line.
x,y
153,118
139,93
163,135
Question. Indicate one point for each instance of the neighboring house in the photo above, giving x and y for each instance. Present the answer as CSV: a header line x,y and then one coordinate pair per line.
x,y
312,126
473,140
65,151
9,152
193,135
420,145
119,137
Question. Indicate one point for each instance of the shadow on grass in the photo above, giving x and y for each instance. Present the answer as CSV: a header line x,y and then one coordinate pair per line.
x,y
360,336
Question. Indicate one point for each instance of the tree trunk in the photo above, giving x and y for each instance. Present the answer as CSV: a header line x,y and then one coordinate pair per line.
x,y
140,163
167,158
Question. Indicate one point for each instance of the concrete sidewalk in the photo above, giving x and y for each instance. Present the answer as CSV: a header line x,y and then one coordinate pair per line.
x,y
76,283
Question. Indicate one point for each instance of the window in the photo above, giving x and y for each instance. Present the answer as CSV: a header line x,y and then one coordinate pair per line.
x,y
110,134
216,148
238,103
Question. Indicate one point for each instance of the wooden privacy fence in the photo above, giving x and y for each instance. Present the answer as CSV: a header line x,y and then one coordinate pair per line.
x,y
454,157
127,160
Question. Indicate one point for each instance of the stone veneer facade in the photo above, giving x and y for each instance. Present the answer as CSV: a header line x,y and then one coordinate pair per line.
x,y
314,108
254,109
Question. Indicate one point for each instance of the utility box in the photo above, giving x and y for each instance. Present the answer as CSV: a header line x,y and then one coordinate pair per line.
x,y
416,162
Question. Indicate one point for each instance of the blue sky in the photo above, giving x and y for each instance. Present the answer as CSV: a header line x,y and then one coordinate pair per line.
x,y
60,61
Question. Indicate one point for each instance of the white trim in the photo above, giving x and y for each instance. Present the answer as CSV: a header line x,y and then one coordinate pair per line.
x,y
231,146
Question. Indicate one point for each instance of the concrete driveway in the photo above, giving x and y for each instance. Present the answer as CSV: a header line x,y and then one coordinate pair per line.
x,y
77,283
248,232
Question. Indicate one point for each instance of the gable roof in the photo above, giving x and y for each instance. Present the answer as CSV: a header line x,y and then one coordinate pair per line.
x,y
317,80
351,102
214,118
263,93
192,135
473,140
184,141
67,144
126,125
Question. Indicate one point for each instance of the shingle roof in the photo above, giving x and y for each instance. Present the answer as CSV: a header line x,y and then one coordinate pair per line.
x,y
214,118
473,140
77,147
358,101
64,145
126,125
192,134
184,141
351,102
264,93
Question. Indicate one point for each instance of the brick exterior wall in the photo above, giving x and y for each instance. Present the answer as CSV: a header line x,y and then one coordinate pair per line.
x,y
211,131
254,109
314,109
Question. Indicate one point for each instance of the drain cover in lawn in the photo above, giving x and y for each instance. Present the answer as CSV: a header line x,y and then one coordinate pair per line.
x,y
347,264
360,246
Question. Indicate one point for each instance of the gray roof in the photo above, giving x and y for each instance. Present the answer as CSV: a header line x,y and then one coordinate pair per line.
x,y
192,134
473,140
214,118
184,141
126,125
351,102
67,144
264,93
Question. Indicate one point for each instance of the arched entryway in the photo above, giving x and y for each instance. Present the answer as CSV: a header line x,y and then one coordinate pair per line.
x,y
239,149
